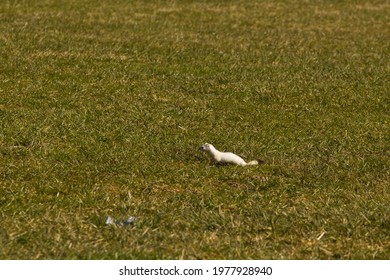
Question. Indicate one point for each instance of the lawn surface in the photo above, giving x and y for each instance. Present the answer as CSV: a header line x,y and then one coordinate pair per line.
x,y
103,105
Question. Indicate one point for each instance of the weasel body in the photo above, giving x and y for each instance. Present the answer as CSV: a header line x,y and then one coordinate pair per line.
x,y
230,158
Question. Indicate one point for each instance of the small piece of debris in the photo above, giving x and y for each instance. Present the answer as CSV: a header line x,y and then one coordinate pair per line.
x,y
321,235
129,221
110,221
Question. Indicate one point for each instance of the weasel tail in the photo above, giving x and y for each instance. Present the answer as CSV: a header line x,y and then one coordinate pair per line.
x,y
229,158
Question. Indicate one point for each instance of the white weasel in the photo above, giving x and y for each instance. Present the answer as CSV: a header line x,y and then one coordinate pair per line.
x,y
221,157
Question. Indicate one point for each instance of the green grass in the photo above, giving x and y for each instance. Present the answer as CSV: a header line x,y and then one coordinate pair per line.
x,y
103,105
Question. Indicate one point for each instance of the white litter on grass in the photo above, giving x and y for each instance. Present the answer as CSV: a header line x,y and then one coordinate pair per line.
x,y
321,235
129,220
111,221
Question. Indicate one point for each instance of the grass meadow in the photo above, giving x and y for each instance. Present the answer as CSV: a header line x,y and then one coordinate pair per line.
x,y
103,105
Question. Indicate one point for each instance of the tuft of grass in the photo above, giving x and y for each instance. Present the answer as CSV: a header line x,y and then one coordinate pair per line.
x,y
103,106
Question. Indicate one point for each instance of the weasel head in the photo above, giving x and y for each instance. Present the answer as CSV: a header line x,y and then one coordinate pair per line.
x,y
206,147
